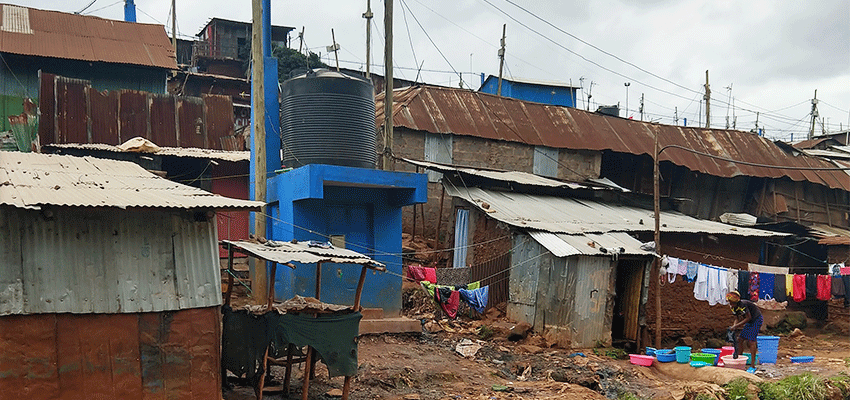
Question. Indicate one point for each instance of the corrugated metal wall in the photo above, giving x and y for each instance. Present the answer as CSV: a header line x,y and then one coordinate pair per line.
x,y
72,111
146,356
84,260
571,292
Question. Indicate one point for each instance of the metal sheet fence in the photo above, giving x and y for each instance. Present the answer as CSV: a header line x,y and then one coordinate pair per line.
x,y
73,112
494,273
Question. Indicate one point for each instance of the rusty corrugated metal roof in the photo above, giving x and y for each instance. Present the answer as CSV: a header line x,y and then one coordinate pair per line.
x,y
44,33
579,217
188,152
30,180
464,112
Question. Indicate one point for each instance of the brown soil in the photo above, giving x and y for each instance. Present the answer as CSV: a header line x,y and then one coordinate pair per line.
x,y
426,366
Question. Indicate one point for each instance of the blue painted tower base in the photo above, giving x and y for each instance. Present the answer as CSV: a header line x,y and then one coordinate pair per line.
x,y
357,208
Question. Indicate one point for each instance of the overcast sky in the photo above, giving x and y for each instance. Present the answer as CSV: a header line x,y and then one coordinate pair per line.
x,y
773,54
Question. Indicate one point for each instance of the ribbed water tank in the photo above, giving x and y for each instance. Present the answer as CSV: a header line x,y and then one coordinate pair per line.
x,y
327,117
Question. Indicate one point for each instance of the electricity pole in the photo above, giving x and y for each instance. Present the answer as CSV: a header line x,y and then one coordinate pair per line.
x,y
627,84
641,106
258,101
814,114
388,85
707,99
368,15
501,60
334,48
174,25
676,115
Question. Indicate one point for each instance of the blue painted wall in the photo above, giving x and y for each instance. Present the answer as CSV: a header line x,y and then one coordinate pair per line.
x,y
316,201
539,93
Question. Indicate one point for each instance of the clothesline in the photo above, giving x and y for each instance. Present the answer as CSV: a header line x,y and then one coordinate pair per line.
x,y
711,283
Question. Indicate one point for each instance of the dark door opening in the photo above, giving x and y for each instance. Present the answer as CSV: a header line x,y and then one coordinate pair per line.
x,y
629,281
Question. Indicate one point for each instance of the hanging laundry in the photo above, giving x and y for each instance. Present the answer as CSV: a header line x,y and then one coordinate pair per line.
x,y
477,298
811,286
766,283
824,287
846,280
789,285
473,285
779,292
838,289
420,273
691,273
701,283
448,299
835,269
717,286
799,287
753,289
743,283
731,280
844,271
683,267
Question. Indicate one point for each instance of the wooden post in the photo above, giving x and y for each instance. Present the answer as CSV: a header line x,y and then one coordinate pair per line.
x,y
305,388
388,86
359,292
271,286
439,219
288,375
229,275
258,149
318,280
656,268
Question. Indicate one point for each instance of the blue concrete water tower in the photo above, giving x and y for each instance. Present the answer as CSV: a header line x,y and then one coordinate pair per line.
x,y
333,193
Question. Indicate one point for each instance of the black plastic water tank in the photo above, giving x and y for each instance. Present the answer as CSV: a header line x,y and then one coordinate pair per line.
x,y
327,117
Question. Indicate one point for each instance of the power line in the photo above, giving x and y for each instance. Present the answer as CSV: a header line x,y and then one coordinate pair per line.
x,y
429,36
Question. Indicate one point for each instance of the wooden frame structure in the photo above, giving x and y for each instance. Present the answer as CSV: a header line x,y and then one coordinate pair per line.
x,y
285,253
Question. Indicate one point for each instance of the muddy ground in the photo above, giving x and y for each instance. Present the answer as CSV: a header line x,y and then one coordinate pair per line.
x,y
427,366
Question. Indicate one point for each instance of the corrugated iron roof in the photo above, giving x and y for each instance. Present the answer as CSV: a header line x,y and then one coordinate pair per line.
x,y
464,112
519,177
30,180
575,216
830,235
287,252
190,152
44,33
591,244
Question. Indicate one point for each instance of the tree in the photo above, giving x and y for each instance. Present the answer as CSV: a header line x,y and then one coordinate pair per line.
x,y
289,60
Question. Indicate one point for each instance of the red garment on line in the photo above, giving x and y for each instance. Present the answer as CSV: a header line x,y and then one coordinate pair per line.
x,y
450,304
420,273
824,287
799,287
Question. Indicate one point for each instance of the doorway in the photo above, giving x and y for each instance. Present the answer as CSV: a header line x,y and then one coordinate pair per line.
x,y
627,302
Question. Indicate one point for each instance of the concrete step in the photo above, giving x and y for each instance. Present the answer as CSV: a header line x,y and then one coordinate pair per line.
x,y
390,325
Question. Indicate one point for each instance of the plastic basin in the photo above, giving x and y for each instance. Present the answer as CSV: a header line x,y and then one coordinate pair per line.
x,y
650,351
703,357
639,359
768,348
729,362
683,354
665,355
699,364
727,350
802,359
714,352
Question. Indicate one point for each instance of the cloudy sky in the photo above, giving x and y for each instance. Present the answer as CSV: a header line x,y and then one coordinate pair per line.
x,y
766,56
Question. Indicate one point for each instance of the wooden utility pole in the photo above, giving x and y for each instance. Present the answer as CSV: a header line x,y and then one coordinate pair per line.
x,y
335,49
814,115
301,40
388,85
368,15
258,281
641,103
501,60
707,98
656,266
174,25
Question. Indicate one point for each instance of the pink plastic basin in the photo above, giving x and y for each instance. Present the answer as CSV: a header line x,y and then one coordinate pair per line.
x,y
639,359
729,362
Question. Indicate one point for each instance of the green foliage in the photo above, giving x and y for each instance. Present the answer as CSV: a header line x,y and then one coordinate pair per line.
x,y
611,352
847,362
289,60
798,387
738,389
485,332
627,396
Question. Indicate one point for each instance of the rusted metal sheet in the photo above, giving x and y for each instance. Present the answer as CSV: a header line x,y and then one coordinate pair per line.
x,y
31,180
173,355
71,116
219,124
461,112
524,278
190,115
163,112
29,31
589,322
47,108
133,115
104,116
302,252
